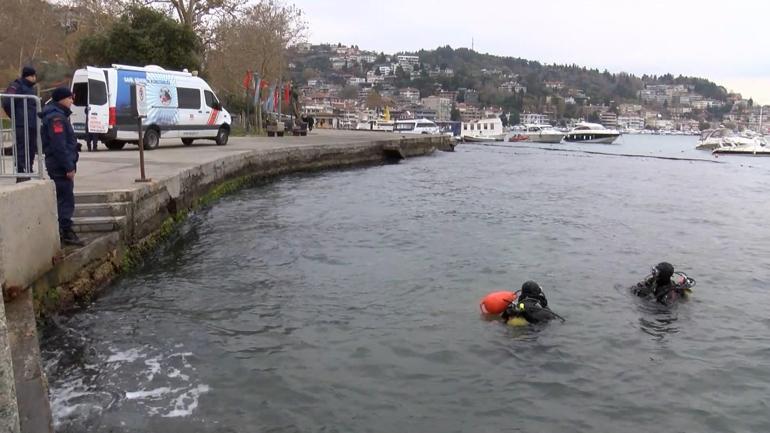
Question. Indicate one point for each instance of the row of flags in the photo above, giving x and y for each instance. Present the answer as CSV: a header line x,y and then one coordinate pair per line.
x,y
265,93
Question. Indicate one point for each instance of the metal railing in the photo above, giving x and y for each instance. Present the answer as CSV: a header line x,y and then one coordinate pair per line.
x,y
16,160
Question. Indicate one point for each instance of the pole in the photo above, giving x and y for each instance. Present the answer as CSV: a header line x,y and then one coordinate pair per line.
x,y
143,177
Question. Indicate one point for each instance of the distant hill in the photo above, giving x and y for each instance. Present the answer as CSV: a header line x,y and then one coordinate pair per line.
x,y
516,84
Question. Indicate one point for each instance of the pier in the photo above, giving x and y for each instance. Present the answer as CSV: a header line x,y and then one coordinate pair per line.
x,y
120,219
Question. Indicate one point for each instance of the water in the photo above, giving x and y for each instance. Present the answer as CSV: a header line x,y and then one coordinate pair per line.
x,y
348,301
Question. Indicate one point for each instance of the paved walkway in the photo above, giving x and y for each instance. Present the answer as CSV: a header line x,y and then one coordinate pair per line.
x,y
116,170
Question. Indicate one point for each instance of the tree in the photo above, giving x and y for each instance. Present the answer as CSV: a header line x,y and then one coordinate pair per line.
x,y
374,100
143,36
199,15
504,119
349,92
454,115
256,41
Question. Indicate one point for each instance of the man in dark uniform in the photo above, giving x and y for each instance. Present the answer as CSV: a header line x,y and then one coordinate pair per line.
x,y
61,157
25,122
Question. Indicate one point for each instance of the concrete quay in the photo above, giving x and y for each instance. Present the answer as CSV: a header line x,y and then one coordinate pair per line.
x,y
121,219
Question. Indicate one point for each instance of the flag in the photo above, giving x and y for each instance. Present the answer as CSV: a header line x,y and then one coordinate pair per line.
x,y
247,80
257,88
276,95
269,107
286,93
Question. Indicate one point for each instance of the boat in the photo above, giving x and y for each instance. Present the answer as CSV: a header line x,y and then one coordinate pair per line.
x,y
483,130
416,126
743,145
585,132
543,134
727,139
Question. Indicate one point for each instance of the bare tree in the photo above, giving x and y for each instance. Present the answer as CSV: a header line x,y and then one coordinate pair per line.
x,y
256,41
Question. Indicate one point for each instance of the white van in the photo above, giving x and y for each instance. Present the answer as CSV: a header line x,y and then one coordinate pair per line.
x,y
416,126
179,105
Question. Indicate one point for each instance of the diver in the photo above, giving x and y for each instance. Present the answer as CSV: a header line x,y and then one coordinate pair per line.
x,y
664,285
531,305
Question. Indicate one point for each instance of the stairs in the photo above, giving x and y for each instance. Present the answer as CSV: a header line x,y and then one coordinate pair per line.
x,y
99,213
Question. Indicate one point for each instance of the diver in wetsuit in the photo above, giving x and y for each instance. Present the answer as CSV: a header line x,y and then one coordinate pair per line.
x,y
531,305
660,287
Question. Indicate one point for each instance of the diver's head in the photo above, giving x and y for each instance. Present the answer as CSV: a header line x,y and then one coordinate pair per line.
x,y
663,272
530,289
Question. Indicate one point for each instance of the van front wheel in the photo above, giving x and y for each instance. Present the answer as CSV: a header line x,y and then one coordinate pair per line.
x,y
222,136
151,139
187,141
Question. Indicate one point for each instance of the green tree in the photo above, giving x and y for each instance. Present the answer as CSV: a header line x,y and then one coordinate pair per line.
x,y
504,119
143,36
454,115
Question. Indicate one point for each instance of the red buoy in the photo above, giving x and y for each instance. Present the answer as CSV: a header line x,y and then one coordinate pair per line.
x,y
496,302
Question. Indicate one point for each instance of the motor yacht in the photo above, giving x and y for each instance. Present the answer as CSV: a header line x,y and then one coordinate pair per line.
x,y
585,132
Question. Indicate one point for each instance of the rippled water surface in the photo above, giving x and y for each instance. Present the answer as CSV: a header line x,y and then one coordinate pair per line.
x,y
348,302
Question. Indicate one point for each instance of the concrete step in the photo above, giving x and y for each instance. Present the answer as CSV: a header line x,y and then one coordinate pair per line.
x,y
98,224
101,209
102,197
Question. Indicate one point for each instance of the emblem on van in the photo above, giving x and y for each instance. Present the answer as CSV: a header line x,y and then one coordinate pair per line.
x,y
165,96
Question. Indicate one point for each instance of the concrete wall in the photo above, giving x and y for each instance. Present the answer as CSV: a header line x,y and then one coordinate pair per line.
x,y
29,232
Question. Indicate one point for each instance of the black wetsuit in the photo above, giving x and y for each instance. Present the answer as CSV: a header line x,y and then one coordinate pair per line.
x,y
532,309
664,292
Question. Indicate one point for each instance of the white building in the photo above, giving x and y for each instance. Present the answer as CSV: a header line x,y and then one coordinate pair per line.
x,y
355,81
408,60
410,94
630,122
535,118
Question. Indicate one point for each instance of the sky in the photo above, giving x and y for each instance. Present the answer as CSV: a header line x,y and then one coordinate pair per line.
x,y
727,41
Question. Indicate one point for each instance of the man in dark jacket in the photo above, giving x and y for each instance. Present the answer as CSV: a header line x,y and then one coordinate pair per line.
x,y
61,157
531,305
25,121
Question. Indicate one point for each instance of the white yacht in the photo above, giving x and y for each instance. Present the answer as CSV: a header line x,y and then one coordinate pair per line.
x,y
483,130
745,144
543,134
723,138
416,126
585,132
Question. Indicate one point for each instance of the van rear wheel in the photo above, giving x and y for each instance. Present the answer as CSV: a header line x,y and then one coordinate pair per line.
x,y
151,139
222,136
187,141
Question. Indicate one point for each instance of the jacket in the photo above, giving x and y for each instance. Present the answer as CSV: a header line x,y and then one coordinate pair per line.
x,y
59,143
21,87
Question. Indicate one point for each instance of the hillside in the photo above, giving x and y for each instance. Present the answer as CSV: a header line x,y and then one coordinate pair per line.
x,y
513,84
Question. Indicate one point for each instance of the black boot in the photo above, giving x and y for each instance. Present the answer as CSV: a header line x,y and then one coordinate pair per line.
x,y
69,237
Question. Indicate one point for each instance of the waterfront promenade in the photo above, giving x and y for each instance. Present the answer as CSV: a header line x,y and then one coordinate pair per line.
x,y
107,170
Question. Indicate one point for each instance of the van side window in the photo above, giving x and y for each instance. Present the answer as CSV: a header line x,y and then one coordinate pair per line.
x,y
97,92
211,100
189,98
80,93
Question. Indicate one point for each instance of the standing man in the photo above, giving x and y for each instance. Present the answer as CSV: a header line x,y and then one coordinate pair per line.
x,y
24,85
61,157
91,138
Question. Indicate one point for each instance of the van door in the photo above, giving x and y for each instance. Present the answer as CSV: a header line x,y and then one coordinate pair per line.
x,y
191,118
211,111
80,101
98,118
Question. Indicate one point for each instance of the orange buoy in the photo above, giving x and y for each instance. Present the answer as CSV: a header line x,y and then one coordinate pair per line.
x,y
496,302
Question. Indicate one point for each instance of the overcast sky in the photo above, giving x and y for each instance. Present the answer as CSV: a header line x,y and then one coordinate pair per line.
x,y
725,41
